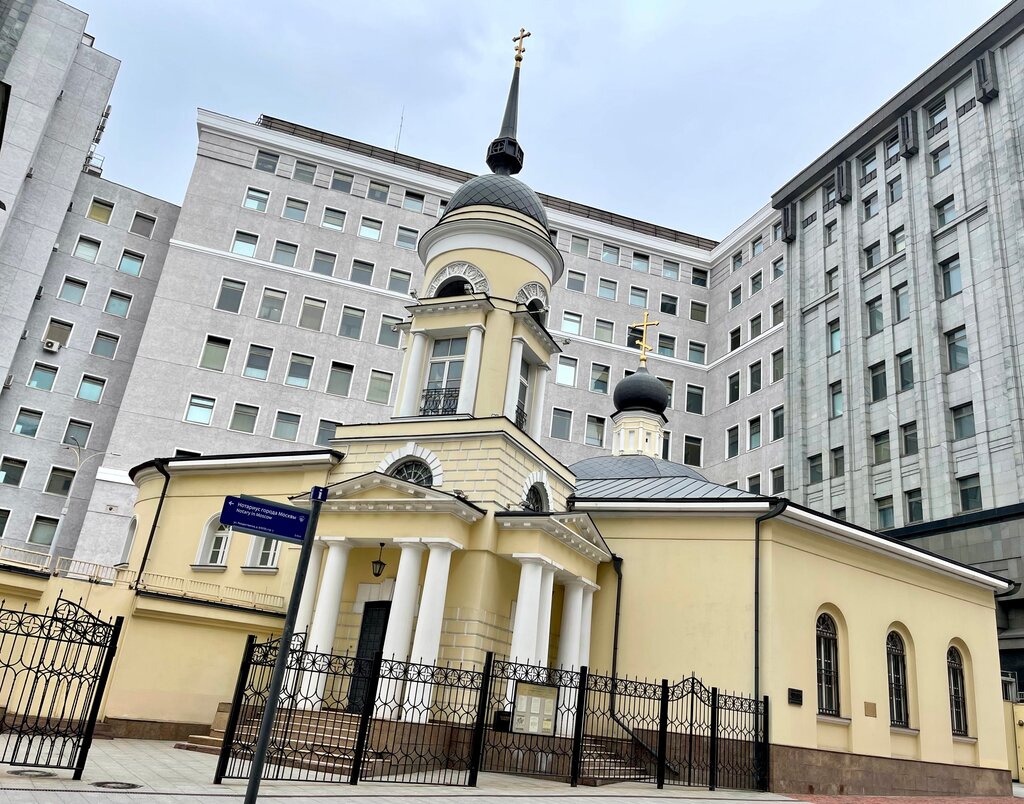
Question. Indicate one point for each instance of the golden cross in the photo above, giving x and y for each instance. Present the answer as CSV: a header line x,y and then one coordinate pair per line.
x,y
645,347
520,50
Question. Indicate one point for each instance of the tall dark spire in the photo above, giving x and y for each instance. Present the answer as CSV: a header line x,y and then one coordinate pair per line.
x,y
505,155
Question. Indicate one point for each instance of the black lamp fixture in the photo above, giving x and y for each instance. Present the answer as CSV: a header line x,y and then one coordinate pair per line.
x,y
378,564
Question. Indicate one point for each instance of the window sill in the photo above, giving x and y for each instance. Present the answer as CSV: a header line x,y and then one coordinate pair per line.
x,y
961,739
207,567
259,570
833,720
904,730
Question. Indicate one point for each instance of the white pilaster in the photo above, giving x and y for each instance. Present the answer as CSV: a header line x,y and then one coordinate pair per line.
x,y
524,629
471,370
585,621
547,588
535,425
572,621
409,404
403,603
304,615
515,360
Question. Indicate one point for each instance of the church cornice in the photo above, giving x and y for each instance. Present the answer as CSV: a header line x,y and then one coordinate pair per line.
x,y
554,525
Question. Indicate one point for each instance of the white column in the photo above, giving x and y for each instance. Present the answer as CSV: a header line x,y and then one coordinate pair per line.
x,y
572,620
515,360
403,602
547,588
471,369
535,425
309,587
427,640
409,403
585,621
524,629
325,618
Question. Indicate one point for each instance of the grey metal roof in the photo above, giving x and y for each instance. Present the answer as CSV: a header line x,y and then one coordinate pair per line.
x,y
610,466
498,190
639,477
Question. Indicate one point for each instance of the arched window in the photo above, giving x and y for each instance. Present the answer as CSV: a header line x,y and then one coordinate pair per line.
x,y
957,696
214,549
896,654
455,286
414,471
828,666
536,498
129,542
538,311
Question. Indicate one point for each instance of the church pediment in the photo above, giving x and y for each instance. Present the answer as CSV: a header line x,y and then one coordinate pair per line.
x,y
575,531
375,492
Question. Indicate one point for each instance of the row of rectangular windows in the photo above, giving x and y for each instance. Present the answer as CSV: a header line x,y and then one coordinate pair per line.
x,y
88,249
286,425
102,211
90,387
41,533
757,246
638,261
561,428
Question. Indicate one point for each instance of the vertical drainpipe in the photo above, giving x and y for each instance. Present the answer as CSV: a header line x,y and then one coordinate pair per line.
x,y
160,464
778,506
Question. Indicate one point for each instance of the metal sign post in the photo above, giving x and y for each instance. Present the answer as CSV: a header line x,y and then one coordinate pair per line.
x,y
317,495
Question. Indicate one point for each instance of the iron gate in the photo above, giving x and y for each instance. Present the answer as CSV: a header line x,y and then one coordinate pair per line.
x,y
54,668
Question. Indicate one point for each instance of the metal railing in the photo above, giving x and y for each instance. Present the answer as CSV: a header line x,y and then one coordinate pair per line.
x,y
205,590
521,417
440,402
23,557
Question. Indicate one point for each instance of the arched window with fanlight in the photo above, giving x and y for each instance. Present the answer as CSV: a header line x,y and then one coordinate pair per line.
x,y
413,471
957,692
896,659
536,498
213,550
828,666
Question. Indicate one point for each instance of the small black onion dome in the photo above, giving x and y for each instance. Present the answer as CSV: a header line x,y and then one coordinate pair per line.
x,y
499,190
641,391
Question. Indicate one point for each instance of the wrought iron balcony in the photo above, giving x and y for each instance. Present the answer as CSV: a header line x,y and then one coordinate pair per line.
x,y
521,417
440,402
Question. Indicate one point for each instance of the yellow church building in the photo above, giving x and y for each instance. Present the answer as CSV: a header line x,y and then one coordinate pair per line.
x,y
449,534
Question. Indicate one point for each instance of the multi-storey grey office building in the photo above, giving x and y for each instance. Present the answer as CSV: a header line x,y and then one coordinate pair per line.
x,y
851,346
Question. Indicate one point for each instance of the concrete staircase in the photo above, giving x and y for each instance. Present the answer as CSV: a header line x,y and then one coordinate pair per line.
x,y
209,743
602,764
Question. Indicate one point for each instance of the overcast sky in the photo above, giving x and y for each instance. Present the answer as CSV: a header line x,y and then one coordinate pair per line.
x,y
688,113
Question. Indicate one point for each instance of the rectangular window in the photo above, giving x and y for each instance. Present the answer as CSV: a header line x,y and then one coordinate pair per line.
x,y
897,241
399,281
604,330
778,480
970,493
905,370
243,418
633,337
835,399
325,431
342,182
837,457
272,305
579,246
941,159
87,249
42,377
323,263
304,172
100,211
776,231
832,279
778,422
952,283
91,388
105,344
379,388
873,255
595,431
884,513
914,506
77,433
599,378
733,388
362,272
388,333
339,381
244,244
870,206
737,260
442,205
607,289
754,433
839,513
778,313
59,482
695,399
868,167
215,353
901,302
670,269
732,442
693,448
641,262
72,290
26,423
669,304
333,219
757,246
638,297
131,263
351,323
284,254
908,439
755,326
963,421
286,426
576,281
11,471
778,365
735,296
945,211
412,201
143,225
879,389
44,528
754,484
295,209
957,355
814,473
229,299
312,314
876,320
696,352
699,277
118,304
880,447
572,323
565,373
300,368
895,189
667,345
735,339
407,238
257,363
756,283
266,161
698,312
831,232
561,424
778,268
199,410
609,254
754,377
378,191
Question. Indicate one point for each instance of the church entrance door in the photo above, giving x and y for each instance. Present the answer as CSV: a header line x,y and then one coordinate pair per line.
x,y
371,640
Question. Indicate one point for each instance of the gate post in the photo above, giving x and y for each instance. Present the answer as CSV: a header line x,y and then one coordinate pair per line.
x,y
94,710
575,767
765,750
713,746
369,704
236,710
663,734
476,750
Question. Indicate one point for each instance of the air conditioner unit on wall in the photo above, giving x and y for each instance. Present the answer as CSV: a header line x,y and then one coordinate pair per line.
x,y
51,345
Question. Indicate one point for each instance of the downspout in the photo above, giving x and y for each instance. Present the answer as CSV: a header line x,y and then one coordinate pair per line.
x,y
161,466
776,509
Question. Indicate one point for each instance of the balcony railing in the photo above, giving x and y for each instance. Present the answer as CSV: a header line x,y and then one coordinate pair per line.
x,y
440,402
204,590
521,417
24,557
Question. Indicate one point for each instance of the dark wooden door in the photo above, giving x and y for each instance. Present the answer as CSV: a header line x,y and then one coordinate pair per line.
x,y
371,640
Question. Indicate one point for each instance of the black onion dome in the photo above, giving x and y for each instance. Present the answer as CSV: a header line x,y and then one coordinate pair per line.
x,y
499,190
641,391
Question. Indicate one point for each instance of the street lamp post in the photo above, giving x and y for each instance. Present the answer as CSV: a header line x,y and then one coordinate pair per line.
x,y
76,448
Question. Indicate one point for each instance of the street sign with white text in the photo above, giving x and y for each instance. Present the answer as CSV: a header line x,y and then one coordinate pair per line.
x,y
265,518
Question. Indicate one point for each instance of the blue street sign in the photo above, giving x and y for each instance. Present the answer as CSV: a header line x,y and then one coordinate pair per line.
x,y
265,518
318,493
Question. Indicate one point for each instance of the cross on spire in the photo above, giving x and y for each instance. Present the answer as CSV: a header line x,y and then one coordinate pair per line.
x,y
645,347
520,49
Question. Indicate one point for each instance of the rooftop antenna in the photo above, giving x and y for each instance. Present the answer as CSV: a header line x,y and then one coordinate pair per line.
x,y
401,122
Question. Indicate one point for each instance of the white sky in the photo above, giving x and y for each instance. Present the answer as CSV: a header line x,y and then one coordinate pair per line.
x,y
688,114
